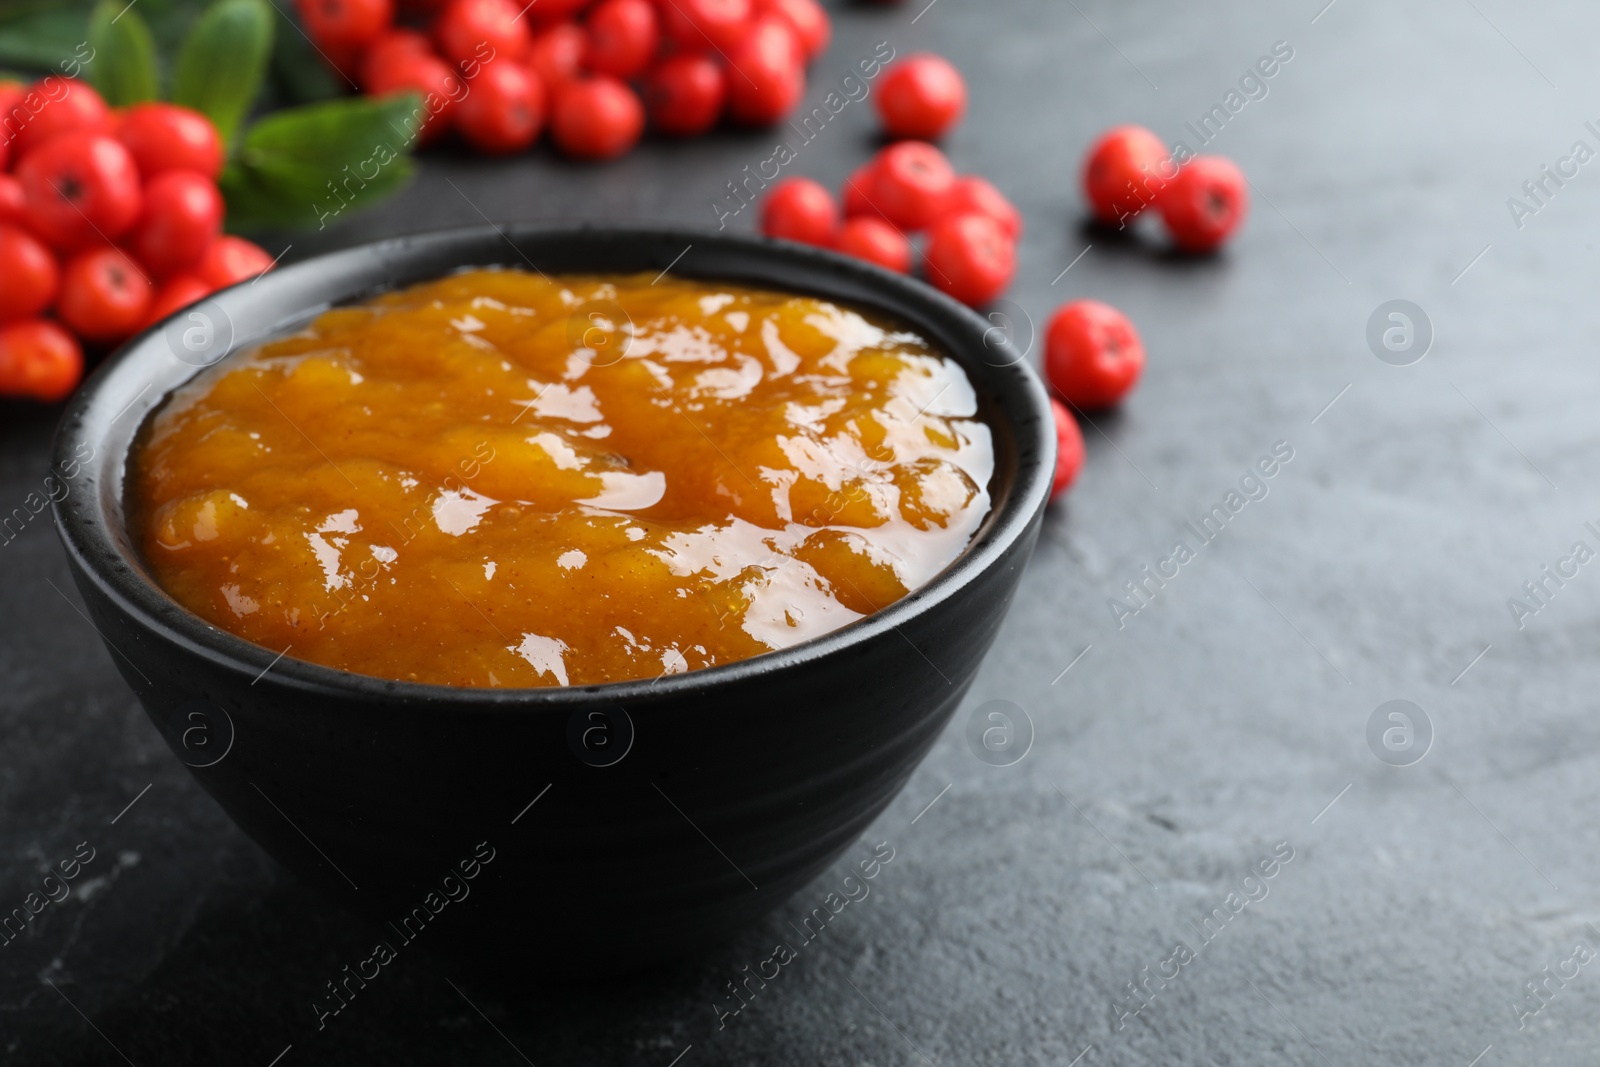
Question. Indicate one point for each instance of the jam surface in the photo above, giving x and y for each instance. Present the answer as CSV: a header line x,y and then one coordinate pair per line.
x,y
506,479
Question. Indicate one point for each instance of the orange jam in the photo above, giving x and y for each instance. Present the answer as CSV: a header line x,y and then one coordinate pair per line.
x,y
504,479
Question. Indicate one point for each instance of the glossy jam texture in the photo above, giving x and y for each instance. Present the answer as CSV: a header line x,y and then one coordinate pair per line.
x,y
504,479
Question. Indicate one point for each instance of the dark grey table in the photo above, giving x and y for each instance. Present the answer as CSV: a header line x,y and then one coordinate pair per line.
x,y
1222,726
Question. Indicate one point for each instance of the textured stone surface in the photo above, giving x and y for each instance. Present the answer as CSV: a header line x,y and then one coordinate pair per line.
x,y
1180,750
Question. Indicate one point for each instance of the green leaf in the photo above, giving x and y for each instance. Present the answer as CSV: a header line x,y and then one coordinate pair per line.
x,y
310,166
222,61
124,67
49,35
170,22
40,35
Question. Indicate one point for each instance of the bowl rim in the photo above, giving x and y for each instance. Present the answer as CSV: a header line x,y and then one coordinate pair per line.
x,y
90,526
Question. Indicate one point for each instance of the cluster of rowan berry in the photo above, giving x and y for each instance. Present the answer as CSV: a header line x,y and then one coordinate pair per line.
x,y
110,220
501,72
1201,199
910,188
1093,355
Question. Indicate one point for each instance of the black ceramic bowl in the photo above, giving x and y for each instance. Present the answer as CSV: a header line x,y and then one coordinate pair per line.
x,y
622,822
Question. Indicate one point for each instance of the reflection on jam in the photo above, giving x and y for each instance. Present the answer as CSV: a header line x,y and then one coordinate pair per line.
x,y
503,479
